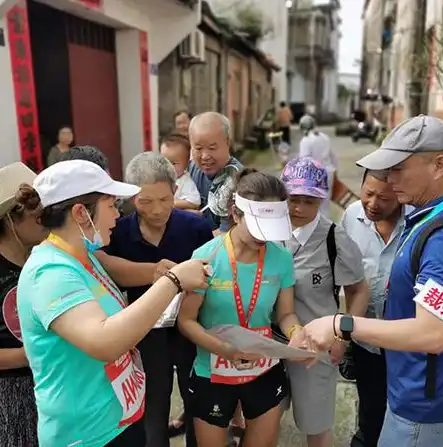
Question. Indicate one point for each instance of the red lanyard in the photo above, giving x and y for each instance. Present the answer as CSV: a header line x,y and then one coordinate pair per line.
x,y
102,279
244,319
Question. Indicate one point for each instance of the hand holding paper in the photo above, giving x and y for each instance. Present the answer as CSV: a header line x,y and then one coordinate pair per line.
x,y
245,340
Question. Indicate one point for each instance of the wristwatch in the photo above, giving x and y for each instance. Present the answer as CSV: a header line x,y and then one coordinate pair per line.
x,y
346,326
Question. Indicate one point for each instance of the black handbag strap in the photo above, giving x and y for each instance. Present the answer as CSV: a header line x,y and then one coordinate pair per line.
x,y
332,256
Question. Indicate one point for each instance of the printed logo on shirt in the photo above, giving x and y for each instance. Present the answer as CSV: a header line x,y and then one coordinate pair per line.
x,y
10,315
98,291
220,284
316,279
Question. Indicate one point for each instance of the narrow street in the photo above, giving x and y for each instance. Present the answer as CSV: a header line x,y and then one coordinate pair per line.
x,y
347,153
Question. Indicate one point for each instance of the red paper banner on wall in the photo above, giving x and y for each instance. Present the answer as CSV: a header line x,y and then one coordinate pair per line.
x,y
24,88
92,3
146,97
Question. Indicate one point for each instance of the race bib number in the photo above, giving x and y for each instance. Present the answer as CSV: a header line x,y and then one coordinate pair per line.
x,y
225,371
128,381
430,297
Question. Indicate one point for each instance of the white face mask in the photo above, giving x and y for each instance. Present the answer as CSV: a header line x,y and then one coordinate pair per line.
x,y
97,240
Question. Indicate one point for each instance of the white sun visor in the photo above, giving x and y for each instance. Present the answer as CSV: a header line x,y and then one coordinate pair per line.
x,y
266,221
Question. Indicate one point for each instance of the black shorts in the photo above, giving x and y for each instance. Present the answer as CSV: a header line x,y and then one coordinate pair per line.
x,y
215,403
133,436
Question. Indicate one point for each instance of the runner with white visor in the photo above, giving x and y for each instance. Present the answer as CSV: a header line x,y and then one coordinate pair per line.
x,y
78,332
251,275
324,260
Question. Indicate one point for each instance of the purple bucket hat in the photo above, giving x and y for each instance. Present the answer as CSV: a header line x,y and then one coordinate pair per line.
x,y
304,176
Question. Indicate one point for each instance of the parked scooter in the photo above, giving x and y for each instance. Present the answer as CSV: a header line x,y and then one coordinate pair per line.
x,y
369,130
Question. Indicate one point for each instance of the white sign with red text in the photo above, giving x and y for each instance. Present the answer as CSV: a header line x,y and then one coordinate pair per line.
x,y
430,298
225,371
129,383
258,341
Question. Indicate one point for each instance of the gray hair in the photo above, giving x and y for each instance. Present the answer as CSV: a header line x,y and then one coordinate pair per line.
x,y
148,168
307,122
203,119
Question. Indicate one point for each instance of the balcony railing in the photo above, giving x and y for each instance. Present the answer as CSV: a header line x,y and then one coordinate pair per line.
x,y
313,52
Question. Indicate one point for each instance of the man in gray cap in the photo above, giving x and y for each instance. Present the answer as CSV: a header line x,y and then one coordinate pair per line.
x,y
411,332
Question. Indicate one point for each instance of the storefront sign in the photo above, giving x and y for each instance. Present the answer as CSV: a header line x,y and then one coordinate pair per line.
x,y
96,4
146,97
24,88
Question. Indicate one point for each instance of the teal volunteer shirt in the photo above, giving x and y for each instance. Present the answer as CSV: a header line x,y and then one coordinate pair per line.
x,y
219,304
76,403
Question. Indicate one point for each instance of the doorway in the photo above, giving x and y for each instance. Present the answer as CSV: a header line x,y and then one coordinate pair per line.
x,y
76,81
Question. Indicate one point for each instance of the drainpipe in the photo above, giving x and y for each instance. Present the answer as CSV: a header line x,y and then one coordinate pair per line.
x,y
418,73
381,66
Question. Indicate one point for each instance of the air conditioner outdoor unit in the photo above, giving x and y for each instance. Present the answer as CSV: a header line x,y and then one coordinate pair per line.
x,y
192,48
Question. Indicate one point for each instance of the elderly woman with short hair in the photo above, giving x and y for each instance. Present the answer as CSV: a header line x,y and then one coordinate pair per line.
x,y
153,232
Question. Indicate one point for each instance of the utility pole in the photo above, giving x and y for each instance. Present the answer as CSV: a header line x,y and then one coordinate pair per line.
x,y
418,68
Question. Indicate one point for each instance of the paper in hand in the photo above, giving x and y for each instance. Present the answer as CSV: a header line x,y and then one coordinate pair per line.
x,y
252,342
169,316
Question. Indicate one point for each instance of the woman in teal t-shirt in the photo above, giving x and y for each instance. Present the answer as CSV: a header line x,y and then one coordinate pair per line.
x,y
251,277
78,332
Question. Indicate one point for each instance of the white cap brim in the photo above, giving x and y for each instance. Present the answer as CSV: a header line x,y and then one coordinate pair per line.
x,y
266,221
269,229
120,189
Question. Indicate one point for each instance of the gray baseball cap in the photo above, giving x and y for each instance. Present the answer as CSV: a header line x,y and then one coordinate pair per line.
x,y
421,133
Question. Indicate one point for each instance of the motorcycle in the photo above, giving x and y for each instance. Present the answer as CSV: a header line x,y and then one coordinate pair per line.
x,y
369,130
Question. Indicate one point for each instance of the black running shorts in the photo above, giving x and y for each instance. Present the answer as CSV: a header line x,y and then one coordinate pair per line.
x,y
215,403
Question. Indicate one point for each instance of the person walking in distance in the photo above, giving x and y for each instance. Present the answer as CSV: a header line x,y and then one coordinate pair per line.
x,y
284,120
318,145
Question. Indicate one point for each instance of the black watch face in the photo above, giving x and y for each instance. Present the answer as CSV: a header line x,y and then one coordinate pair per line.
x,y
346,325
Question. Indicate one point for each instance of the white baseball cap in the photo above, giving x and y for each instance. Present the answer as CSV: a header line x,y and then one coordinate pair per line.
x,y
68,179
266,221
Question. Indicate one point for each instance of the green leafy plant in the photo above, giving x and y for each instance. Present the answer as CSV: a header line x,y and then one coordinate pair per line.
x,y
343,92
426,67
247,19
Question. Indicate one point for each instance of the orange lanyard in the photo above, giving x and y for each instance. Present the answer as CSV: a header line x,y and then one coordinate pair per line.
x,y
244,319
96,274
